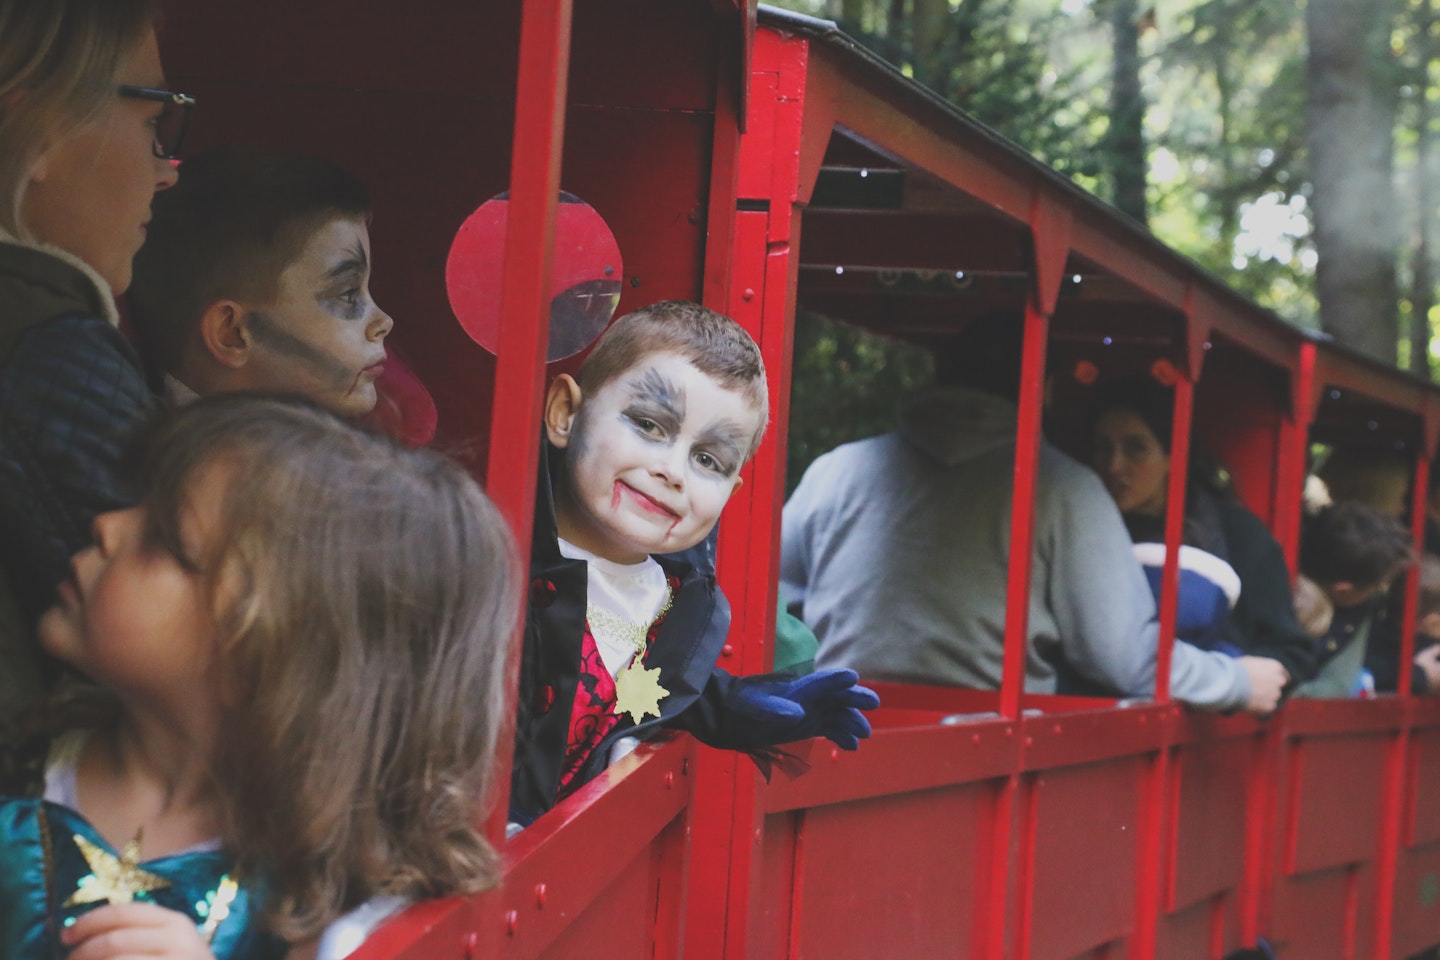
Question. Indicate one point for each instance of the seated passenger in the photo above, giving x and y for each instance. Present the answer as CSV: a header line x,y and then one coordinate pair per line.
x,y
255,276
1131,452
298,696
1365,473
645,448
1352,551
895,550
1382,652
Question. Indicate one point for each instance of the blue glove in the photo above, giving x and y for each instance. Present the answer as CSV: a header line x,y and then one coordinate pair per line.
x,y
826,703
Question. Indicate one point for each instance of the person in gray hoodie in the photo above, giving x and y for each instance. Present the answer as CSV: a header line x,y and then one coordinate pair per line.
x,y
895,551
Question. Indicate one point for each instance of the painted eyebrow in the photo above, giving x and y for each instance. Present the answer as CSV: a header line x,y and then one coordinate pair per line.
x,y
354,264
727,434
654,387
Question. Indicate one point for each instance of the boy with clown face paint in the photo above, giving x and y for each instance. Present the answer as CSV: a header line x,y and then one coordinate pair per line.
x,y
625,623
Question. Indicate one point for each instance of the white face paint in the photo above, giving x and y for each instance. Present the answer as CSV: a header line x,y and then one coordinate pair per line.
x,y
652,459
323,335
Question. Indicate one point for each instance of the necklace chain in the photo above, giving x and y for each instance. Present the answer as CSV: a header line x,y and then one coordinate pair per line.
x,y
616,627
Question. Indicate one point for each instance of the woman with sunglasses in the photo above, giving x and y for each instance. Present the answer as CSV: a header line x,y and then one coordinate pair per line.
x,y
86,137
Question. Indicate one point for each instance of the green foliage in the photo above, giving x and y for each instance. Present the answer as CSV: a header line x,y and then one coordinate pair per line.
x,y
1227,140
992,58
1224,84
846,384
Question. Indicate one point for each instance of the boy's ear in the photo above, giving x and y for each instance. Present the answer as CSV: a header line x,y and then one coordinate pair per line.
x,y
224,334
562,405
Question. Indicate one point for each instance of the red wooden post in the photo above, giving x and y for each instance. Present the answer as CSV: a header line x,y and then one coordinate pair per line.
x,y
1293,455
1174,529
1050,230
1391,832
524,326
1022,509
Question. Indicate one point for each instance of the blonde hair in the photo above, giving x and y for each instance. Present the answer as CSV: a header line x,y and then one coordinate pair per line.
x,y
361,659
58,65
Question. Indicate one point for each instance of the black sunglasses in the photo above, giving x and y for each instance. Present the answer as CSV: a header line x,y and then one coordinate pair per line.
x,y
173,121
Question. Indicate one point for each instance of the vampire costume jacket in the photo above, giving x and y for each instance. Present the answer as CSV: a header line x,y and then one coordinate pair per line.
x,y
700,696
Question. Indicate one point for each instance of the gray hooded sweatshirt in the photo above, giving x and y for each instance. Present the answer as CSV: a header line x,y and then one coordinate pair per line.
x,y
895,551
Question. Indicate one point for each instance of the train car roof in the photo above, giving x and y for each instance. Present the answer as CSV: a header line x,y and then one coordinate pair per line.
x,y
1097,225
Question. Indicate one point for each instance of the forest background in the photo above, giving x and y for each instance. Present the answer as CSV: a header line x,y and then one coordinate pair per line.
x,y
1287,148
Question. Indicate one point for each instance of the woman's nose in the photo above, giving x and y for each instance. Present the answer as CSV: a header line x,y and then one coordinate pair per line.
x,y
166,173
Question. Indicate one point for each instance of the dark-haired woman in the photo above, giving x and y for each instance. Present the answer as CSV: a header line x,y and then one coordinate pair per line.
x,y
1130,449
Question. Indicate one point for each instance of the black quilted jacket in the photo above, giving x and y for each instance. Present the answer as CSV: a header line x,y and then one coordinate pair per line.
x,y
71,390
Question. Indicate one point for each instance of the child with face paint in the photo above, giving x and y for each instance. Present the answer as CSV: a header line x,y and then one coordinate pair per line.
x,y
625,622
255,276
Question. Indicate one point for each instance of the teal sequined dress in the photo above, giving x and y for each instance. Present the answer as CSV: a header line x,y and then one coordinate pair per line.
x,y
54,866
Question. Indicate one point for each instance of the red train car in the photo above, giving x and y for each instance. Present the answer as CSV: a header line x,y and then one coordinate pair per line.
x,y
763,162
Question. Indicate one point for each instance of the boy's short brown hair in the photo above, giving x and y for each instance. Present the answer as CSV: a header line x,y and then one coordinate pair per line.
x,y
226,231
717,346
1352,542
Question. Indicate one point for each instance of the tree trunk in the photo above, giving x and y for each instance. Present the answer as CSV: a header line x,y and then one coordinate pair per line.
x,y
1126,138
853,11
929,21
1422,284
1351,96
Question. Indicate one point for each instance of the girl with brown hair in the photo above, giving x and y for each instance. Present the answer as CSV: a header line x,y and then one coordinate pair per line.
x,y
300,633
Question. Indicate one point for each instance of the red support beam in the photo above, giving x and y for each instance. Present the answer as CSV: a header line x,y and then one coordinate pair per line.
x,y
524,329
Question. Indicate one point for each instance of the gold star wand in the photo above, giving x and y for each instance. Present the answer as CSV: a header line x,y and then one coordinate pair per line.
x,y
116,879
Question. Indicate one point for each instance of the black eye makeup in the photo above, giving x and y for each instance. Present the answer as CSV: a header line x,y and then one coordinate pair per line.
x,y
346,283
652,422
352,302
719,450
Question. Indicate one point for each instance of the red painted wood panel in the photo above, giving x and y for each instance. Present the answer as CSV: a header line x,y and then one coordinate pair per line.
x,y
1336,819
1417,899
1323,916
1085,823
897,877
1424,788
1206,930
773,902
622,917
1207,843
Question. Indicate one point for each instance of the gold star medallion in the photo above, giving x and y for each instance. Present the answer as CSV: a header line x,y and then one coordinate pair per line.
x,y
638,691
116,879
